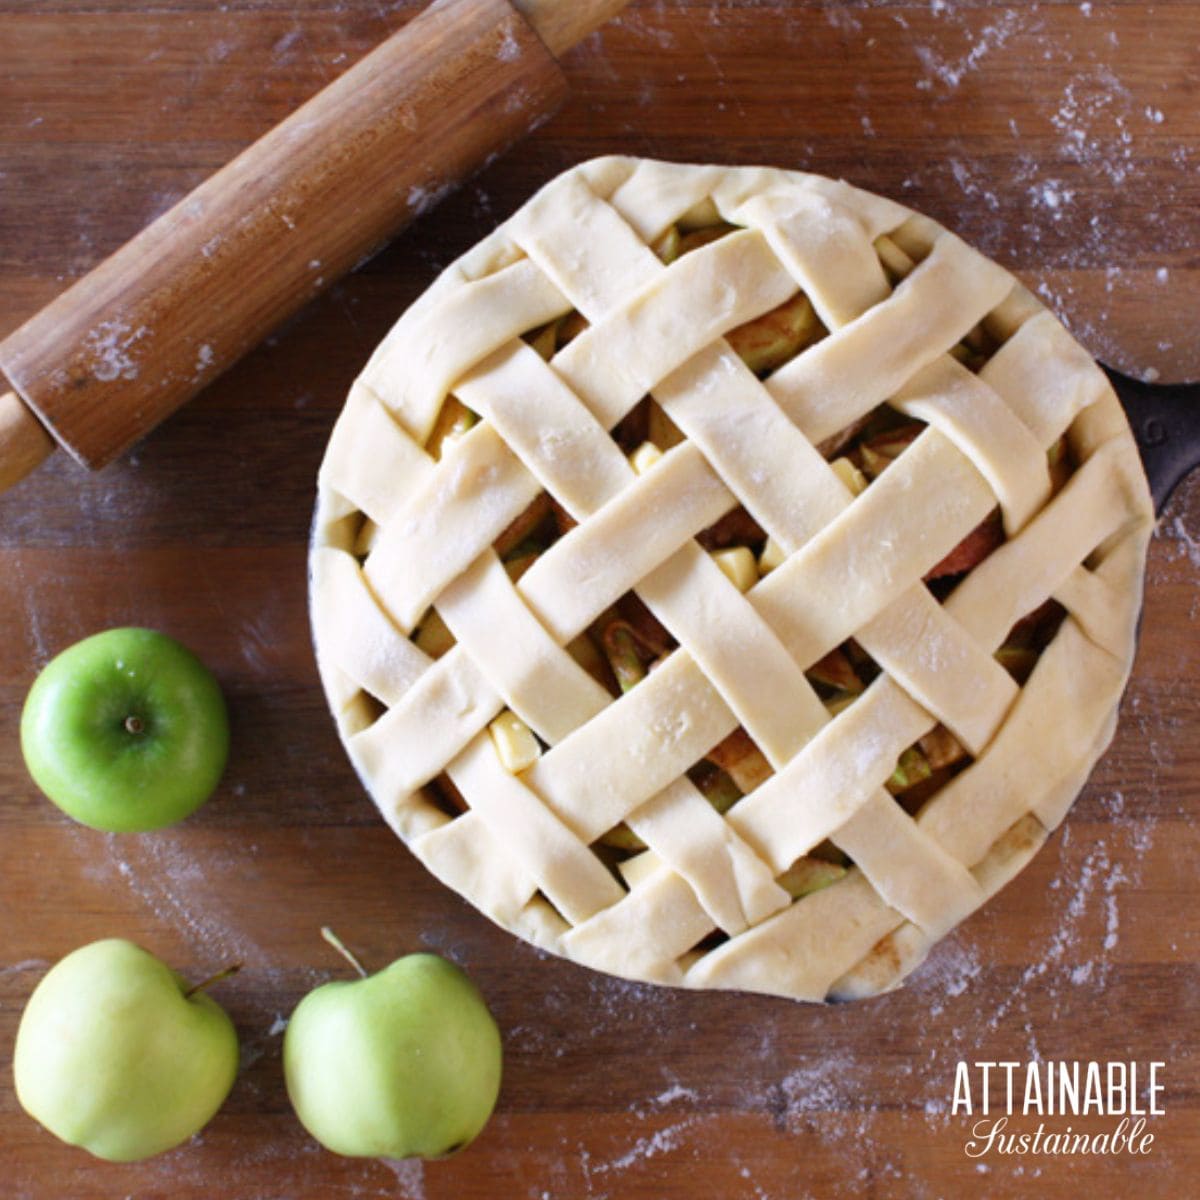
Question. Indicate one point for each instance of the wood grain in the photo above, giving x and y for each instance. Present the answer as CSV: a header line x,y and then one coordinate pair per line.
x,y
169,311
112,110
562,24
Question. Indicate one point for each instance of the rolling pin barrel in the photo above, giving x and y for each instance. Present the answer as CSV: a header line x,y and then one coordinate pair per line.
x,y
151,325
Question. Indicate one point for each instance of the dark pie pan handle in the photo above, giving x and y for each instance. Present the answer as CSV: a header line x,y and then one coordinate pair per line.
x,y
1165,418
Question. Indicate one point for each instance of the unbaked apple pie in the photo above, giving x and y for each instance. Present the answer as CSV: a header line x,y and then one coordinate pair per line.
x,y
727,577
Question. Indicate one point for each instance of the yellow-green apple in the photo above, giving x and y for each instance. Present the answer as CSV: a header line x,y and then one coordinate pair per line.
x,y
115,1053
399,1064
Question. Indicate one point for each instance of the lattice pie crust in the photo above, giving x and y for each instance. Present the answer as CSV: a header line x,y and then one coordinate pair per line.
x,y
586,819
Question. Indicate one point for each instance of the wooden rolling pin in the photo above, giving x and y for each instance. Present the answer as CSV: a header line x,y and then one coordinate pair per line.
x,y
153,324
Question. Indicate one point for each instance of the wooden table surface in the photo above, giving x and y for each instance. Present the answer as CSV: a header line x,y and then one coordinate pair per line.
x,y
1062,138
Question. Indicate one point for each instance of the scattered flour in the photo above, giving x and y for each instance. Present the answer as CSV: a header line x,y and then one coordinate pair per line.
x,y
951,72
840,16
204,359
1188,544
1052,194
421,199
410,1175
26,964
181,888
510,48
661,1141
951,968
1096,117
110,346
673,1093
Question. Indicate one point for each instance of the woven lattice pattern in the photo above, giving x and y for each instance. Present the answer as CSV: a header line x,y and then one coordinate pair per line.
x,y
703,906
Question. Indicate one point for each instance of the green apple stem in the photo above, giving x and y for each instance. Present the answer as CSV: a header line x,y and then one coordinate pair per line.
x,y
205,984
340,946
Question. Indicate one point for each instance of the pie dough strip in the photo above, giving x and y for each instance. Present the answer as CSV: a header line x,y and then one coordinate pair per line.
x,y
543,421
800,951
642,936
467,502
1099,608
879,543
602,559
828,249
1019,575
575,880
370,460
772,468
905,947
909,870
733,885
418,362
831,778
1045,377
1073,682
737,652
661,730
941,667
537,679
794,492
466,856
365,645
582,244
744,199
974,417
618,359
857,367
411,743
486,258
657,194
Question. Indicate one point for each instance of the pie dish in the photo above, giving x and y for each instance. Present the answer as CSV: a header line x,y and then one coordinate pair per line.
x,y
726,578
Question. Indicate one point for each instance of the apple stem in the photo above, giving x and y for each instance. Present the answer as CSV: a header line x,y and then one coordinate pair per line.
x,y
340,946
205,984
134,724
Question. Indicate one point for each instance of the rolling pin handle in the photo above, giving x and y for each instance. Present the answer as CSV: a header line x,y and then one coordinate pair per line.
x,y
24,442
562,24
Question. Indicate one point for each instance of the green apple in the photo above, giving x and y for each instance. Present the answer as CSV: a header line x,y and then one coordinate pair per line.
x,y
116,1054
399,1064
126,730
